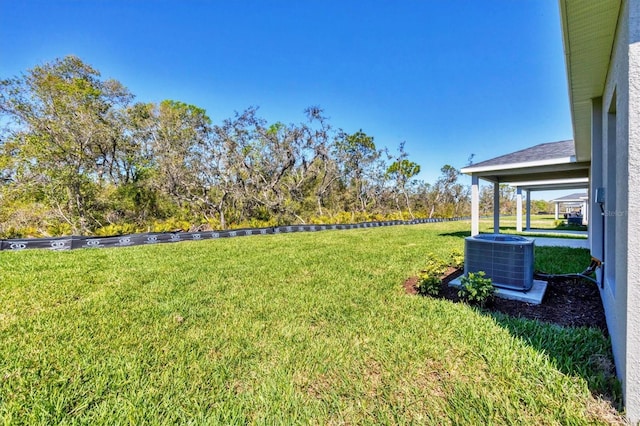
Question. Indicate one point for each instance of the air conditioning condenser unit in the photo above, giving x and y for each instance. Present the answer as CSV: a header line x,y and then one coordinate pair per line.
x,y
506,259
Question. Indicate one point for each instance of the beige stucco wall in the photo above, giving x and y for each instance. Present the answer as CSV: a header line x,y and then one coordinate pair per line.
x,y
616,150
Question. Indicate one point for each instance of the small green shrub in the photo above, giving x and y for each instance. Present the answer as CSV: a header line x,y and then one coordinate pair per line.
x,y
476,288
116,229
171,225
428,283
456,258
31,232
22,232
430,278
254,223
320,220
11,232
343,217
210,224
59,229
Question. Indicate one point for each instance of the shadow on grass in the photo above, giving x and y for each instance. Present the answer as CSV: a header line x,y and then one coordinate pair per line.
x,y
568,328
458,234
572,228
512,231
577,351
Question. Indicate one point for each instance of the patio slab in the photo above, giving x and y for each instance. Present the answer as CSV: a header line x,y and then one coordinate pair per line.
x,y
555,231
533,296
560,242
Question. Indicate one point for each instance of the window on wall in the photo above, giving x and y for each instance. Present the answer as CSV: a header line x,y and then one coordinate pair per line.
x,y
611,213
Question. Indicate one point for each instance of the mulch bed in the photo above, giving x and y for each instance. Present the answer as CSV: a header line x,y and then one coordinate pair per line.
x,y
569,302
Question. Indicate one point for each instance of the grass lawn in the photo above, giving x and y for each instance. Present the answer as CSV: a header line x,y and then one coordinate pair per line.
x,y
538,223
309,328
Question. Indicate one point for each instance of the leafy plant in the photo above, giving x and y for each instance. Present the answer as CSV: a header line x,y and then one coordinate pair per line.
x,y
115,229
429,279
428,283
171,225
11,232
456,258
476,288
59,229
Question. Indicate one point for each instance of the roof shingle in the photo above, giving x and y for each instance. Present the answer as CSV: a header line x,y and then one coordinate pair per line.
x,y
578,196
541,152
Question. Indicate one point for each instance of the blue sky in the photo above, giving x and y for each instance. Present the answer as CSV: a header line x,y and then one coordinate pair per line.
x,y
450,78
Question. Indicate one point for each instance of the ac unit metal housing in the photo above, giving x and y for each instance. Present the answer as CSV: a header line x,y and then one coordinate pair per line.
x,y
506,259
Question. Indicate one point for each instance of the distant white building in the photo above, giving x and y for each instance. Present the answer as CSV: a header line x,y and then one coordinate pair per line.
x,y
572,204
547,166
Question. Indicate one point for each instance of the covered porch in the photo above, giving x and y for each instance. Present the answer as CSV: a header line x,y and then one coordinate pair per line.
x,y
544,167
570,203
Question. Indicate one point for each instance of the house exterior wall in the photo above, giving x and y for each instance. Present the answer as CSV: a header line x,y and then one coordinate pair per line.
x,y
633,217
616,168
613,300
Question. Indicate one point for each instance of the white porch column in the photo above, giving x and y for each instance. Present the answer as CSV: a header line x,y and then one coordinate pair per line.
x,y
585,212
518,209
496,208
557,210
475,205
528,226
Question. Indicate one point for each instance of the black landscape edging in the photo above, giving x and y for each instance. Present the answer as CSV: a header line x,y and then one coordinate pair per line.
x,y
77,242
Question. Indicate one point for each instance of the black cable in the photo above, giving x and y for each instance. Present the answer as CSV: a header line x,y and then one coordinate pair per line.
x,y
591,269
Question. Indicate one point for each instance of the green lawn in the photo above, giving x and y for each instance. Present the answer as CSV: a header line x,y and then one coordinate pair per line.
x,y
309,328
538,223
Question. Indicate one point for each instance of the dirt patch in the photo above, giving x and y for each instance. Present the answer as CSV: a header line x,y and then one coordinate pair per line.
x,y
567,302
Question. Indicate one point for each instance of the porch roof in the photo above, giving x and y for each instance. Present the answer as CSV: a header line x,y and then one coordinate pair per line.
x,y
572,198
553,162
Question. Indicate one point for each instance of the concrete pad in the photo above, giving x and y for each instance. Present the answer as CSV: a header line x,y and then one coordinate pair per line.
x,y
561,242
533,296
556,232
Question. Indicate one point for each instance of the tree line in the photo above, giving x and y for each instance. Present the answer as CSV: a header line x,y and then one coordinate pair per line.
x,y
79,155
